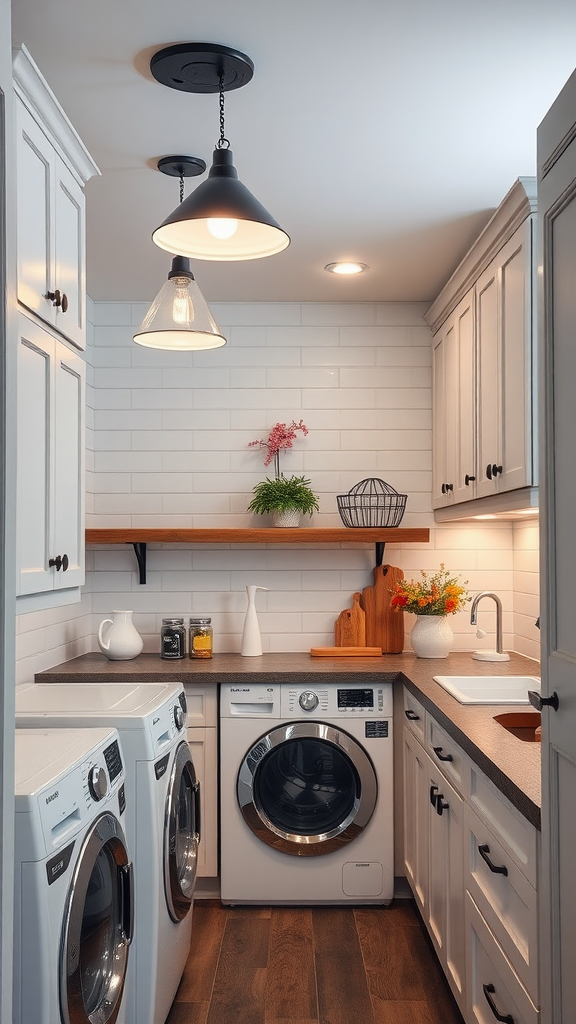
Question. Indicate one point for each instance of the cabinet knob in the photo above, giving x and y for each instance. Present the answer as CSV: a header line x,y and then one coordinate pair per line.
x,y
496,469
446,488
64,302
60,562
411,715
492,470
433,795
539,702
489,471
468,479
57,298
441,804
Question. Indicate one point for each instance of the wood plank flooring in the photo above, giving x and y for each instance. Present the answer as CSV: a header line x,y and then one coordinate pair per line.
x,y
311,965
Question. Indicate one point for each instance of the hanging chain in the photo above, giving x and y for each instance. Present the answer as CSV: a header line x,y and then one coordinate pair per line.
x,y
223,142
181,188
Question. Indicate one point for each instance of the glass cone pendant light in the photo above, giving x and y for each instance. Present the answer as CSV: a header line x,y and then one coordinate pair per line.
x,y
220,219
179,318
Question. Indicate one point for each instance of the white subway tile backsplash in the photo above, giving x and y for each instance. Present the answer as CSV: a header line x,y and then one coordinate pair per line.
x,y
170,435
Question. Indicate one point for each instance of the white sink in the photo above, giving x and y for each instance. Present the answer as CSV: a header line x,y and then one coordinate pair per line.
x,y
489,689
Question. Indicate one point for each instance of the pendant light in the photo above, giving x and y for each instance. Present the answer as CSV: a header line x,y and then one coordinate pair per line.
x,y
179,318
220,219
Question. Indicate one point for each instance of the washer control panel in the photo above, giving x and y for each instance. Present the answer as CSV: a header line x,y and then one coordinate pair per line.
x,y
335,701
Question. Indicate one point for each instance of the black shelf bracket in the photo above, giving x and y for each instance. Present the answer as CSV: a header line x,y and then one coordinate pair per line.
x,y
380,545
140,552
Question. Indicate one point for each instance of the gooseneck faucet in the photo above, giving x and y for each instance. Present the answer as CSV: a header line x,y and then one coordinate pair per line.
x,y
474,615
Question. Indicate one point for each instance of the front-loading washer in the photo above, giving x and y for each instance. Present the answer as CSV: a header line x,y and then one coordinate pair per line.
x,y
162,822
306,799
73,894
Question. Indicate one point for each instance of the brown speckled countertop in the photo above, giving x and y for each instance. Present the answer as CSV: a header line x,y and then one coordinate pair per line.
x,y
512,764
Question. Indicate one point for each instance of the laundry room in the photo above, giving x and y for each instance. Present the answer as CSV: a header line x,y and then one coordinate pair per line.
x,y
282,399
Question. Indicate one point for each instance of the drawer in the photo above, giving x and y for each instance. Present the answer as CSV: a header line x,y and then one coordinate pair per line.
x,y
494,990
505,898
514,832
202,705
446,754
414,716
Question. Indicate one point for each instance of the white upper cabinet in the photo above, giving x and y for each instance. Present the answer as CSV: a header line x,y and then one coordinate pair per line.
x,y
484,438
53,166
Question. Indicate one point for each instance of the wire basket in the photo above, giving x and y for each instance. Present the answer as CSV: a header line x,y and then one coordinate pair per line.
x,y
371,502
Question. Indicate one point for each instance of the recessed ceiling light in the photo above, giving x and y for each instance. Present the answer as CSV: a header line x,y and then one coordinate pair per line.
x,y
346,267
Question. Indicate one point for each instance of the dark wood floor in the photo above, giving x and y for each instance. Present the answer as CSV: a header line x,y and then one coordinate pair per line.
x,y
311,965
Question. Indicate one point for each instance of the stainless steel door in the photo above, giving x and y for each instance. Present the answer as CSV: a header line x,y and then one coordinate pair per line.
x,y
306,788
97,928
181,834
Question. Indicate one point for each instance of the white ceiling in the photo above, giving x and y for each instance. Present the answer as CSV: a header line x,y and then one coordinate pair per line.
x,y
385,131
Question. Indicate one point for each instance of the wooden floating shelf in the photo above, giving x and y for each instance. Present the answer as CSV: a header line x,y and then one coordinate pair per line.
x,y
300,535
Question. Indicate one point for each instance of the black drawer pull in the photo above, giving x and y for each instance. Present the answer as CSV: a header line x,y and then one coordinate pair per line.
x,y
433,795
411,715
441,805
498,869
441,756
504,1018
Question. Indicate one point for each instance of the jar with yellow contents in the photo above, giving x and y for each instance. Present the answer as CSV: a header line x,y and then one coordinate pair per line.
x,y
201,638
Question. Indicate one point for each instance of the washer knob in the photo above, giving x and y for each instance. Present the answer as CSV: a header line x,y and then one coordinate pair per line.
x,y
308,700
178,716
97,783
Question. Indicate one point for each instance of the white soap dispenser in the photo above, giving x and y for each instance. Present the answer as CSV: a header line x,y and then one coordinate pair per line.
x,y
251,639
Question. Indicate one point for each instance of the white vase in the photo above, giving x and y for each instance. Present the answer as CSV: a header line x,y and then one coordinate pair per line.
x,y
251,639
432,636
288,517
121,641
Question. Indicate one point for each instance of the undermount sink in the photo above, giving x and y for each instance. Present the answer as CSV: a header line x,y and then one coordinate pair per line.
x,y
489,689
523,724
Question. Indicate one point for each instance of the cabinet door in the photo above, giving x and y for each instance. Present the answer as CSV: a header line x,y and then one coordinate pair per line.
x,y
416,819
50,467
505,368
202,743
454,435
446,878
50,232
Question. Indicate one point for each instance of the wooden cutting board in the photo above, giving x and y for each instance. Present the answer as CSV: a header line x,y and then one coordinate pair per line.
x,y
384,627
350,626
345,652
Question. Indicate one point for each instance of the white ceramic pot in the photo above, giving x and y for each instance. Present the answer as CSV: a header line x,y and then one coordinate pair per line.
x,y
432,636
289,517
121,641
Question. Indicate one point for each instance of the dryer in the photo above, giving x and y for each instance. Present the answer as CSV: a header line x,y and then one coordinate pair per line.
x,y
306,805
73,895
162,823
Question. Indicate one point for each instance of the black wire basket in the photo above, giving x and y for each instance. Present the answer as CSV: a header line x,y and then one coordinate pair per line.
x,y
371,502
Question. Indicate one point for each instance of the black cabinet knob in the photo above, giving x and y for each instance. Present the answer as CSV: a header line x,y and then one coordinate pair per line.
x,y
489,471
441,804
468,479
433,795
411,715
539,702
60,562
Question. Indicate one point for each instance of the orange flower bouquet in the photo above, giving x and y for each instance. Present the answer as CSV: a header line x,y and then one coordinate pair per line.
x,y
436,594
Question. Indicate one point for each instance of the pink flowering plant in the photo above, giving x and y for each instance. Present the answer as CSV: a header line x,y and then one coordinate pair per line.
x,y
282,493
280,437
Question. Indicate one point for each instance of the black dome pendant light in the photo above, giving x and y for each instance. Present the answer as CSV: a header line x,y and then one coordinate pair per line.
x,y
220,219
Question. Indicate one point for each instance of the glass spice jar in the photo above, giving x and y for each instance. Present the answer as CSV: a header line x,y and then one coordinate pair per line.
x,y
172,639
200,645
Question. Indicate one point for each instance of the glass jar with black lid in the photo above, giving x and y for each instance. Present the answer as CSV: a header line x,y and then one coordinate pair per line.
x,y
172,639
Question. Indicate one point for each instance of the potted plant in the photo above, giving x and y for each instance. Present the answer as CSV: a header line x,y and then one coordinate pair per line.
x,y
284,498
431,599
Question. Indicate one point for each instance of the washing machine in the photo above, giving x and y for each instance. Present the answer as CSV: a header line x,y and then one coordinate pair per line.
x,y
73,895
162,819
306,812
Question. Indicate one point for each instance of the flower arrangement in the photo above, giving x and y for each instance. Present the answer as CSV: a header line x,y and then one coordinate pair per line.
x,y
282,494
280,437
436,594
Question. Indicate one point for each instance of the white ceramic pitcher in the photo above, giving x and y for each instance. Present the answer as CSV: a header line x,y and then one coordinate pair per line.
x,y
121,641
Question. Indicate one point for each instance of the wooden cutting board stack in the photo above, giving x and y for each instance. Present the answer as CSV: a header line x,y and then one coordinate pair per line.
x,y
370,627
384,626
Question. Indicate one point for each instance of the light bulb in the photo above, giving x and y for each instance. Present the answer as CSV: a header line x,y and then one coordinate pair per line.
x,y
222,227
182,308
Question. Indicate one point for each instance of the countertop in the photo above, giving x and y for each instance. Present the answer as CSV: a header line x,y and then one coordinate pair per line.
x,y
512,764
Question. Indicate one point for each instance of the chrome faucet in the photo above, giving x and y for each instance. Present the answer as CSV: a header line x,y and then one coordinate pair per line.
x,y
474,616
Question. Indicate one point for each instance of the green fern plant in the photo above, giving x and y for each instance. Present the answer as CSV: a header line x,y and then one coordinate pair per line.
x,y
282,494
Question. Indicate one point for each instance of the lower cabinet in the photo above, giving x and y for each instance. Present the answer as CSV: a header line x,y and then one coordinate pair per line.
x,y
202,739
471,861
